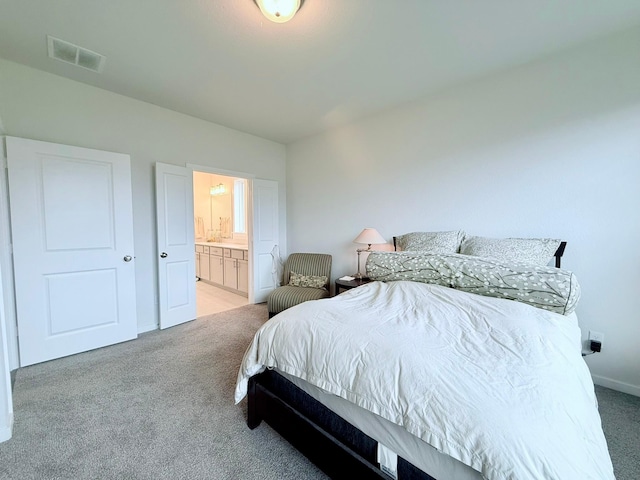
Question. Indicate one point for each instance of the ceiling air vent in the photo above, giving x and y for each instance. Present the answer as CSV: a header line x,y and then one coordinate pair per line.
x,y
75,55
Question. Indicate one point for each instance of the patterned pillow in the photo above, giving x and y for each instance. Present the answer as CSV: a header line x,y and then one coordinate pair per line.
x,y
308,281
432,242
543,287
538,251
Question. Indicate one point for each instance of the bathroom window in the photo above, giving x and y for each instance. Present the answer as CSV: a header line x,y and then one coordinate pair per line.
x,y
239,207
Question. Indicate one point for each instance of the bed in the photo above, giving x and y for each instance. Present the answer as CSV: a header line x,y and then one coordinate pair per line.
x,y
424,378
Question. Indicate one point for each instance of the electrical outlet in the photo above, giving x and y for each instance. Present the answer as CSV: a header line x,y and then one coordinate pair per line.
x,y
596,336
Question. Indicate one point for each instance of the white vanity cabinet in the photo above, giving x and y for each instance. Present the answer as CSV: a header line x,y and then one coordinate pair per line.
x,y
230,273
243,274
224,267
216,265
202,257
236,269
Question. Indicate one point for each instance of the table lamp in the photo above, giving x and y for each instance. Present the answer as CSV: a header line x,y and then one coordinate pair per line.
x,y
368,236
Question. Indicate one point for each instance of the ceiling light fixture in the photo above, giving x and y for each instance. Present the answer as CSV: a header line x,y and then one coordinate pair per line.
x,y
279,11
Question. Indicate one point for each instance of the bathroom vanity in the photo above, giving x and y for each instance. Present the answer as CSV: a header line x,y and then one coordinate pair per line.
x,y
224,265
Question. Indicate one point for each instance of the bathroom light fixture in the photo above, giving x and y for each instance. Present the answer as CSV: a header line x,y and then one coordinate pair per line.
x,y
279,11
218,190
368,236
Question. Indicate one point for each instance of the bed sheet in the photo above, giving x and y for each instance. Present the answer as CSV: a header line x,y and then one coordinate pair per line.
x,y
498,385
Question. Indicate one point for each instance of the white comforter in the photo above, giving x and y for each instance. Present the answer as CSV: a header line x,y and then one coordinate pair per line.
x,y
499,385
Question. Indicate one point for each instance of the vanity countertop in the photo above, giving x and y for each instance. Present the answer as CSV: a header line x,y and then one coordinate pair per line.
x,y
235,246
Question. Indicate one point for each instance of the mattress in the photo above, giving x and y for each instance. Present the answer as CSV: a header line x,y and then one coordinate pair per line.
x,y
395,438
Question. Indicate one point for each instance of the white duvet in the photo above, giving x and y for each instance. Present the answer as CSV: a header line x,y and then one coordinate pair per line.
x,y
499,385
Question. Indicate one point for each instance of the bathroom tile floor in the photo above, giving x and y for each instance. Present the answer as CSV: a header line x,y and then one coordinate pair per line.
x,y
210,299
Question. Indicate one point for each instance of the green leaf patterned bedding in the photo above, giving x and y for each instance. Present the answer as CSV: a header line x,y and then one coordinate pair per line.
x,y
545,287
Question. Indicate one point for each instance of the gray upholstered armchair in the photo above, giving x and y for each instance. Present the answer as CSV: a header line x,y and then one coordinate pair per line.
x,y
306,265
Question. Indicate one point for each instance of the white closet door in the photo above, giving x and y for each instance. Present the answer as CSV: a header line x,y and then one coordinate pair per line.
x,y
72,225
265,236
176,254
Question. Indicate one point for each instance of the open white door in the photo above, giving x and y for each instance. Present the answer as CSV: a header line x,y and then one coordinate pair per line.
x,y
176,256
265,236
72,225
6,400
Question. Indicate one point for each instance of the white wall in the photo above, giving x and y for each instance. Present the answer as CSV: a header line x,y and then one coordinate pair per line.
x,y
550,149
46,107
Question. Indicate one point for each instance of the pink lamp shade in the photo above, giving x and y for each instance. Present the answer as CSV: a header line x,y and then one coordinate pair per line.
x,y
370,236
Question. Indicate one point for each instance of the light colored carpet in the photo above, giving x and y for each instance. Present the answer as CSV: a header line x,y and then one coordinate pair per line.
x,y
161,407
620,414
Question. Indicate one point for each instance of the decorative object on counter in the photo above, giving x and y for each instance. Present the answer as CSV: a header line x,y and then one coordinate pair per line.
x,y
213,236
368,236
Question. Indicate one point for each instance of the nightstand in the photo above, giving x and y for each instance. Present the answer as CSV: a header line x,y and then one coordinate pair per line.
x,y
349,284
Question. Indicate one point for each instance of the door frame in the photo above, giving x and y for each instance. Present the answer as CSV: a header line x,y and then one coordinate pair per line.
x,y
6,263
249,178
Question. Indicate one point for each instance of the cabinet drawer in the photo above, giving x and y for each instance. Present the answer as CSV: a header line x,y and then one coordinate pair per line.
x,y
215,251
246,254
206,250
239,254
199,248
227,252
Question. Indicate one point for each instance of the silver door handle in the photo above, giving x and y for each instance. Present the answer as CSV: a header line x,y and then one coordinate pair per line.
x,y
127,258
164,255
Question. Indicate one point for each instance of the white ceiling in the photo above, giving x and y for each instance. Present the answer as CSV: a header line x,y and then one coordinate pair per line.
x,y
336,61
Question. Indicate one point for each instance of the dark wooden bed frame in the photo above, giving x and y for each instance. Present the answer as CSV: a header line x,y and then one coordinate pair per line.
x,y
334,445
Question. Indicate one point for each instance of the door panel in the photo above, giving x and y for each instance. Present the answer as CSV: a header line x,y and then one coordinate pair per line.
x,y
72,224
176,262
177,289
76,194
99,289
265,236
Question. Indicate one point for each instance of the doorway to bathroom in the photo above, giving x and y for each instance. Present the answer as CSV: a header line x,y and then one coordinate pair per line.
x,y
221,242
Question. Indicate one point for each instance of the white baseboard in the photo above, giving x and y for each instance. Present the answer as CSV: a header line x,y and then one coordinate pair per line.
x,y
6,430
616,385
147,328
